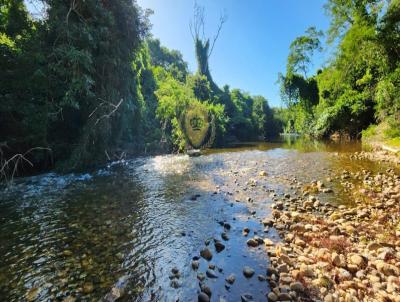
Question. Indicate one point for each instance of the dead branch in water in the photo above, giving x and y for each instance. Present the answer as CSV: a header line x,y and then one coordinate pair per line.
x,y
9,167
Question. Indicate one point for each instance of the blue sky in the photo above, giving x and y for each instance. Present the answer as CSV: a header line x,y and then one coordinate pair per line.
x,y
253,44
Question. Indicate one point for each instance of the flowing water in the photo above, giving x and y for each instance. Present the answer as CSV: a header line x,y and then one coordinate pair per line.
x,y
121,229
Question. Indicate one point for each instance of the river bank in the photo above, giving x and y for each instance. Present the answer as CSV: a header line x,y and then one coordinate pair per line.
x,y
338,253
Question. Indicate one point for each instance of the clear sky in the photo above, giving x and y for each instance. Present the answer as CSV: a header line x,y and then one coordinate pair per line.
x,y
253,44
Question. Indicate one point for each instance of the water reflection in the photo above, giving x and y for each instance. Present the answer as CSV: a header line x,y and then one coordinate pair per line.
x,y
131,222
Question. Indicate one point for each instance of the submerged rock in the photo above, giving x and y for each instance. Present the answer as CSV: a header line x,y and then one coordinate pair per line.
x,y
248,272
231,279
219,246
206,254
203,297
211,274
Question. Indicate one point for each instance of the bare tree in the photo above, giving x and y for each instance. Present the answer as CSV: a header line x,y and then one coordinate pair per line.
x,y
203,47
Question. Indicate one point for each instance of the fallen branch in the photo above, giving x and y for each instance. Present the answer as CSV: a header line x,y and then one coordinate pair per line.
x,y
13,163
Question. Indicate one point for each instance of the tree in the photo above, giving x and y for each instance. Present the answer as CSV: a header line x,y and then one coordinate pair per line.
x,y
301,51
203,46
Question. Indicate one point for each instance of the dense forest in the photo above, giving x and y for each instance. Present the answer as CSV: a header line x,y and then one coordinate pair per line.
x,y
359,86
87,82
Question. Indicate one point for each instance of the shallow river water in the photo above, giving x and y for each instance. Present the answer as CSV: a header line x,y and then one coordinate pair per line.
x,y
121,230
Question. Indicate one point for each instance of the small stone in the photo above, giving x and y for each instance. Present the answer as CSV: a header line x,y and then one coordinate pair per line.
x,y
272,297
297,287
224,236
268,242
219,246
203,297
206,254
195,264
283,268
252,242
284,297
175,284
32,294
262,173
231,279
88,287
357,260
248,272
206,289
261,278
67,253
246,298
335,259
201,276
373,246
211,274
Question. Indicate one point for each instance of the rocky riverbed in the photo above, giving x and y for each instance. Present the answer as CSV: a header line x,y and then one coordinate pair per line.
x,y
287,222
338,253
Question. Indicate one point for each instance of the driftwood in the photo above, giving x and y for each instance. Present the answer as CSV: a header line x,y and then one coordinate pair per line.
x,y
9,167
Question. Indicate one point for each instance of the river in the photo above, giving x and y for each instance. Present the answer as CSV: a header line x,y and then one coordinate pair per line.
x,y
122,229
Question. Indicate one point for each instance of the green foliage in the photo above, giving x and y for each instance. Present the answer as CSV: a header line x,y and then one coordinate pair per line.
x,y
301,50
171,60
360,83
87,82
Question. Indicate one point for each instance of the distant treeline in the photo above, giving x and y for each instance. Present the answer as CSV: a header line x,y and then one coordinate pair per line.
x,y
86,82
360,85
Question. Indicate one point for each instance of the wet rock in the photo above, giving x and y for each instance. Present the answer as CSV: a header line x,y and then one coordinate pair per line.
x,y
195,264
252,242
219,246
268,222
248,272
32,294
246,298
203,297
206,254
261,278
211,274
175,284
67,253
88,287
268,242
284,297
283,268
72,299
201,276
224,236
297,287
246,231
206,289
231,278
272,297
227,226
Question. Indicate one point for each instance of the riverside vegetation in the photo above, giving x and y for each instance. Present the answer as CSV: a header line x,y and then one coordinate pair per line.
x,y
85,83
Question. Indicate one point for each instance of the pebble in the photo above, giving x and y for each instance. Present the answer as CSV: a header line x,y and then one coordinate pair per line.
x,y
206,254
248,272
203,297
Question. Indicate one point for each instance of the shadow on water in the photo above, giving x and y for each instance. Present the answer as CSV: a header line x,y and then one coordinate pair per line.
x,y
133,221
